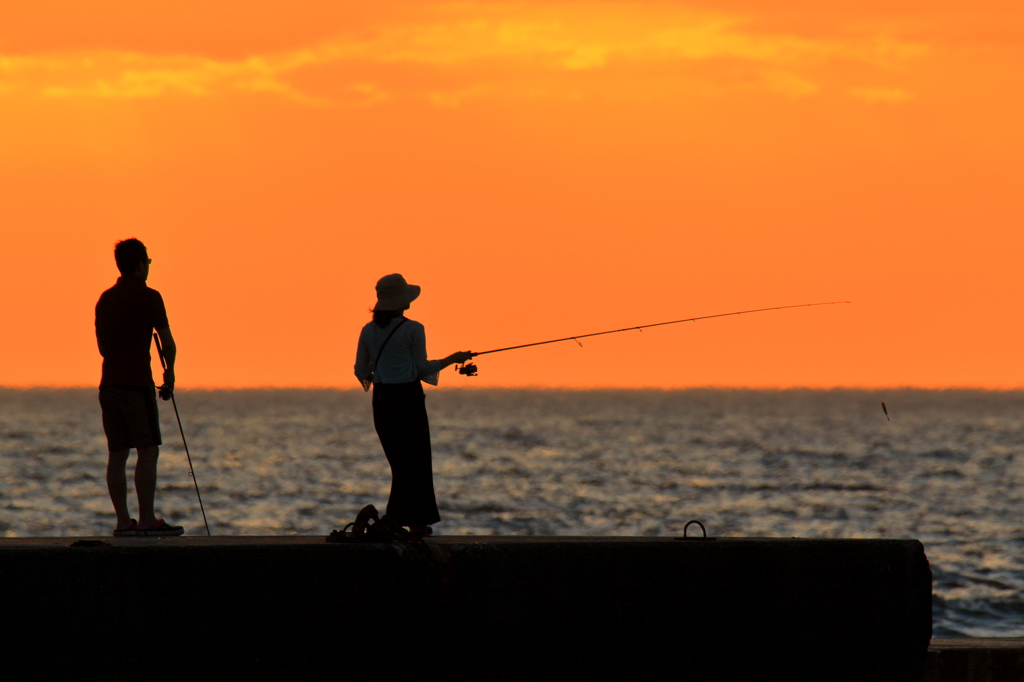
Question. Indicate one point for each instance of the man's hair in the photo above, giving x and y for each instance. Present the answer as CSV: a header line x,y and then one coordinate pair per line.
x,y
128,253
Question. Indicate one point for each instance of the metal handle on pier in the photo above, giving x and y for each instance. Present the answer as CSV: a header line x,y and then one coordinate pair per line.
x,y
695,537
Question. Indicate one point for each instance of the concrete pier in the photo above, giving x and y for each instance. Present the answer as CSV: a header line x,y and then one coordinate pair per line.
x,y
976,659
472,608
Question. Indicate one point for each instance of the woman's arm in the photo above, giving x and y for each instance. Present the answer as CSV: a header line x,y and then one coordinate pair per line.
x,y
428,370
456,358
363,370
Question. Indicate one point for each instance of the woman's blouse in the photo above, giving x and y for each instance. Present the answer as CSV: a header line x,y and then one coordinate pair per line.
x,y
404,358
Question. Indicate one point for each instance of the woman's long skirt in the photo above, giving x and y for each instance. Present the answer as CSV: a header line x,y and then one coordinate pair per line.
x,y
400,417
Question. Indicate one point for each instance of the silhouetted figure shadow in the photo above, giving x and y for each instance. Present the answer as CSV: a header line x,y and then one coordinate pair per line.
x,y
126,316
392,358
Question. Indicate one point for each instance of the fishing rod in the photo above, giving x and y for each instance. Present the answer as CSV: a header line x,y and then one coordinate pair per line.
x,y
191,471
470,369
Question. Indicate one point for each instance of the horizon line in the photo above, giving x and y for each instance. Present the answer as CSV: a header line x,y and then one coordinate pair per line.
x,y
535,387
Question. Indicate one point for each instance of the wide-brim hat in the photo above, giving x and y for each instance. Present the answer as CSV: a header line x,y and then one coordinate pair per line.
x,y
394,293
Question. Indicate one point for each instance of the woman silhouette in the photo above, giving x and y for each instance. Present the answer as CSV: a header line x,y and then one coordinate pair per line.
x,y
392,358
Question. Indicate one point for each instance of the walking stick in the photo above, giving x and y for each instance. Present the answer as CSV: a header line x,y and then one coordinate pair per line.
x,y
191,471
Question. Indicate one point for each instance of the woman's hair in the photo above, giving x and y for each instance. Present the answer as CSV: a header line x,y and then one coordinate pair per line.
x,y
384,317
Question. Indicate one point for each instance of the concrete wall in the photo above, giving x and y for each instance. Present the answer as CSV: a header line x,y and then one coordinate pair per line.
x,y
468,608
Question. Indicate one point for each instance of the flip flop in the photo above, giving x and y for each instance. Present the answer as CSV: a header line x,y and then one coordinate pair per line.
x,y
129,531
161,529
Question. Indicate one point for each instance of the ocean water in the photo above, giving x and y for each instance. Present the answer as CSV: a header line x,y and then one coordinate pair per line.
x,y
948,470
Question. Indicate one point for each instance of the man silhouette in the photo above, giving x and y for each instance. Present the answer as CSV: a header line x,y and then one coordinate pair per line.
x,y
126,315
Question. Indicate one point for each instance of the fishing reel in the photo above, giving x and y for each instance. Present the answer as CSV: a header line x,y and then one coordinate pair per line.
x,y
468,369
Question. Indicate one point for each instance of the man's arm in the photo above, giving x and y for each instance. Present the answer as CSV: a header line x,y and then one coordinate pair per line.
x,y
170,352
99,335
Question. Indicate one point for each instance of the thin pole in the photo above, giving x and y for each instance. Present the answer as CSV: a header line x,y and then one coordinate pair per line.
x,y
657,324
163,362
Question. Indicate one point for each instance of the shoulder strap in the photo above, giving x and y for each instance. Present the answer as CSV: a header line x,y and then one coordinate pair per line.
x,y
381,350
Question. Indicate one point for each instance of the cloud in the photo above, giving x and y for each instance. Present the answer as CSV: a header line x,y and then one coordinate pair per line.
x,y
115,75
471,41
881,94
790,84
586,57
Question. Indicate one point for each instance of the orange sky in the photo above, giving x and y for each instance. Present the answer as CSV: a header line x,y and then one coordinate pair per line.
x,y
541,169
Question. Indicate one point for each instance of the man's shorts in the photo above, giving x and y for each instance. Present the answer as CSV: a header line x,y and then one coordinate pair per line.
x,y
130,417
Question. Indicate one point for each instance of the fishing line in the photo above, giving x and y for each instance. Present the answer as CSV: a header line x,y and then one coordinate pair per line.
x,y
469,369
191,471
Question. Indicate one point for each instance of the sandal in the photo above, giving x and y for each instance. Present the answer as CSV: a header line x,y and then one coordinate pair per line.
x,y
129,531
161,529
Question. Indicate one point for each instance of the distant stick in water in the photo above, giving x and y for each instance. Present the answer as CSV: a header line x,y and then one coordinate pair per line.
x,y
886,410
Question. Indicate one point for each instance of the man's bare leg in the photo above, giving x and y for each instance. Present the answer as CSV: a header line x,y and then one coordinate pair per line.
x,y
117,486
145,485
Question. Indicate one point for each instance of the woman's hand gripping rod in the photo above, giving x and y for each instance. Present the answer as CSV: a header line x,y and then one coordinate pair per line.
x,y
168,392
